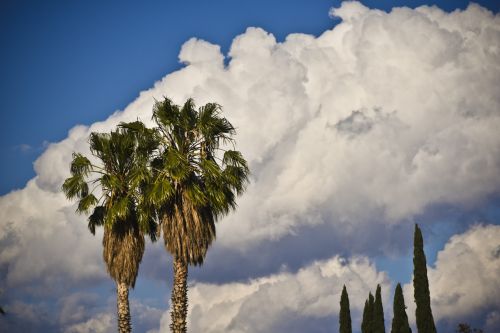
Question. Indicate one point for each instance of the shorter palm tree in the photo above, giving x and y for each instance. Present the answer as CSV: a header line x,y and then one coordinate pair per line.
x,y
118,179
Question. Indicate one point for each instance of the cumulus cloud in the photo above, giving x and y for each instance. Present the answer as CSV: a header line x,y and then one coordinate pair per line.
x,y
464,282
43,240
365,126
266,304
88,312
102,323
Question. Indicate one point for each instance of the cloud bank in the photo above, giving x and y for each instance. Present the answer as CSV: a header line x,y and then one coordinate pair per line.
x,y
464,282
361,128
283,301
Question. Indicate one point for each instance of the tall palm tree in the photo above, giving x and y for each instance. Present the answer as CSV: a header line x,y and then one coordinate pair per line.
x,y
195,182
117,178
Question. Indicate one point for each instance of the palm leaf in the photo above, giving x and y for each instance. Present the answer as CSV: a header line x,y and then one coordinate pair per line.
x,y
80,165
86,203
96,218
75,187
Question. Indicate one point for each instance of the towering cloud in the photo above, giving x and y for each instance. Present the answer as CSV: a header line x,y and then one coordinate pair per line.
x,y
360,128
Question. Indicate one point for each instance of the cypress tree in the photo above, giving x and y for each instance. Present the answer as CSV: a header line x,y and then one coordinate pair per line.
x,y
345,313
378,313
364,321
367,323
423,312
400,319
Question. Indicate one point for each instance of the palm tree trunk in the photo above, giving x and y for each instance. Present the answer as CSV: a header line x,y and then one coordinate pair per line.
x,y
179,297
124,325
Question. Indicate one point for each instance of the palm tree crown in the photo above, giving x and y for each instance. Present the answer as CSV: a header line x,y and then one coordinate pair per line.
x,y
118,178
195,181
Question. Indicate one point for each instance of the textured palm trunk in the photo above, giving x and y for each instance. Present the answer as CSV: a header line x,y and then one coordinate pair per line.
x,y
179,297
124,325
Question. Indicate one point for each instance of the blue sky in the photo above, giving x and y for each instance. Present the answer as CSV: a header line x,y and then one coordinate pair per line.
x,y
69,63
66,63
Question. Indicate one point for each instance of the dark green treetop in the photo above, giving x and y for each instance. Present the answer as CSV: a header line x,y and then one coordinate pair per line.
x,y
345,313
423,312
400,319
378,313
367,322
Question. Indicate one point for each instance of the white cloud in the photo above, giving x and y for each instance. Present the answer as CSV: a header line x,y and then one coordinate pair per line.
x,y
101,323
87,312
75,307
144,315
464,281
200,53
43,240
261,305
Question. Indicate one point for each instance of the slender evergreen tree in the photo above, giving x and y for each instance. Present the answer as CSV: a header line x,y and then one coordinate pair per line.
x,y
400,319
367,323
423,312
364,320
378,313
345,313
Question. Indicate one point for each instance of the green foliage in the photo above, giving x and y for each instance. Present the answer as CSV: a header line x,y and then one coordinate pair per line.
x,y
110,189
367,322
86,203
423,312
119,176
194,180
96,218
80,165
378,313
345,325
465,328
75,187
400,319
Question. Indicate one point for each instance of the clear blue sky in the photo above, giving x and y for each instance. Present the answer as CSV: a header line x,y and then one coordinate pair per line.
x,y
75,62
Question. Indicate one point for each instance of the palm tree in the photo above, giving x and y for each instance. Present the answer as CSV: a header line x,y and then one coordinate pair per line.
x,y
118,179
195,182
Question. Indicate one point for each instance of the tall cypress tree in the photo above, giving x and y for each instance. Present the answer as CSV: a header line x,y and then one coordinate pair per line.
x,y
367,323
378,313
364,321
345,313
400,319
423,312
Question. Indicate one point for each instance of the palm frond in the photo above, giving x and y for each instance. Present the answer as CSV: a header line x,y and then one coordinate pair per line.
x,y
80,165
123,245
75,187
122,177
86,203
236,177
210,169
96,218
160,192
165,113
187,115
200,190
